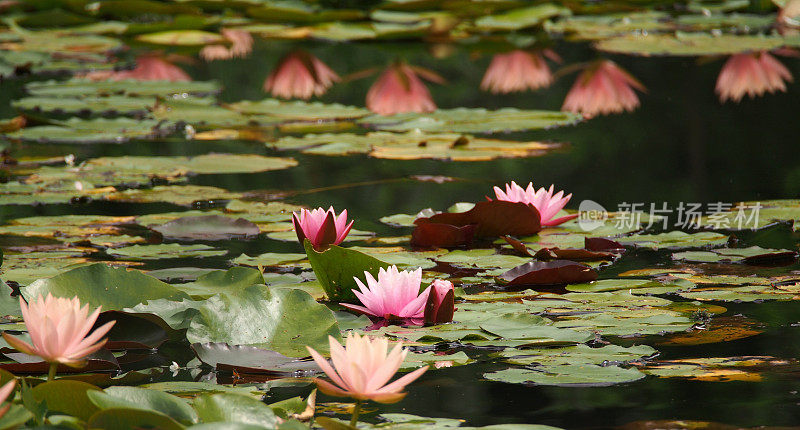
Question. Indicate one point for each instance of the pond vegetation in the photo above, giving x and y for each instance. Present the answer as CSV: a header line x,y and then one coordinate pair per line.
x,y
248,214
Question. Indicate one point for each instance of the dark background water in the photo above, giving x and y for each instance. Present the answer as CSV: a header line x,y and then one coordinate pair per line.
x,y
681,145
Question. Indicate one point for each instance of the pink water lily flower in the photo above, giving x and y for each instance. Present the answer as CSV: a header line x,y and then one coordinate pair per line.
x,y
542,199
394,295
362,369
322,228
399,89
300,74
59,330
752,73
6,391
603,88
518,71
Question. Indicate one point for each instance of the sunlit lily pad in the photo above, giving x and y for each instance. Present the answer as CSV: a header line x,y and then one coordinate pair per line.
x,y
414,145
82,88
675,240
76,130
752,255
689,44
171,250
517,19
464,120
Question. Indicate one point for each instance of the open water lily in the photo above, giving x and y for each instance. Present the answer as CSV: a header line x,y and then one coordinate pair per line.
x,y
59,330
394,295
543,199
362,370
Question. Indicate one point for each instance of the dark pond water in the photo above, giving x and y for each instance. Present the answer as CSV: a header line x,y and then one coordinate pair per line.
x,y
682,145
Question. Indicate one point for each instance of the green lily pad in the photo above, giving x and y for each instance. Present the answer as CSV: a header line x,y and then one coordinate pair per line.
x,y
298,110
597,27
689,44
283,320
228,407
517,19
102,285
181,38
464,120
589,375
178,194
217,281
98,130
77,87
268,259
675,240
750,255
167,250
336,268
209,227
142,398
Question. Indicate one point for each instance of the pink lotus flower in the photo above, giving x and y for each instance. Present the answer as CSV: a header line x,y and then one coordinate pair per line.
x,y
362,369
754,74
542,199
394,295
399,89
151,67
241,46
603,88
441,303
58,328
322,228
6,391
518,71
302,75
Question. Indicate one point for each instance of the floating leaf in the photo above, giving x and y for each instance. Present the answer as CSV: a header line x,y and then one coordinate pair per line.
x,y
689,44
167,250
337,267
753,255
283,320
517,19
492,218
142,398
209,227
102,285
464,120
549,273
248,359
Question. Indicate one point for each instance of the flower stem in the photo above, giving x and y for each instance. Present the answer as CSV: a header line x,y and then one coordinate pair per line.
x,y
52,373
356,410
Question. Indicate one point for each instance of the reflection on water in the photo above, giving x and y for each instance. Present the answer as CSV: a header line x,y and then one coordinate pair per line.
x,y
681,144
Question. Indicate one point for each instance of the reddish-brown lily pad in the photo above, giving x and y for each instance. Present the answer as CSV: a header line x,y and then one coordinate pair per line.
x,y
549,273
436,235
493,218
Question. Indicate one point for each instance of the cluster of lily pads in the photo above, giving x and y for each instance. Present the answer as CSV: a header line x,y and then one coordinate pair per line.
x,y
201,330
524,291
